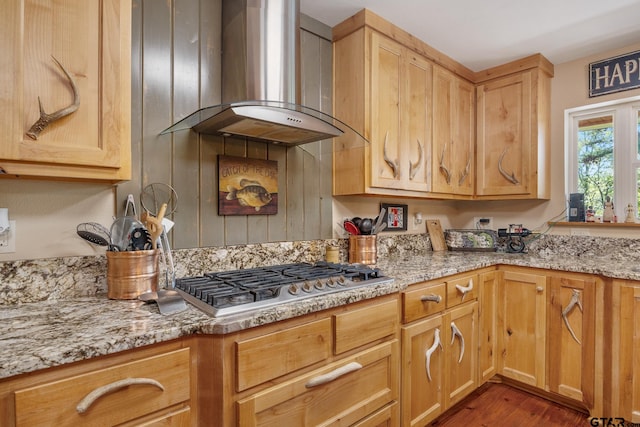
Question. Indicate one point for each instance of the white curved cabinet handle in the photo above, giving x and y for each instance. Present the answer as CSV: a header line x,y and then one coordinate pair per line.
x,y
464,289
455,332
96,394
429,352
575,300
336,373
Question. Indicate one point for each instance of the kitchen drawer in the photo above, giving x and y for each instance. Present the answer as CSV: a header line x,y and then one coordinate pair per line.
x,y
385,417
462,290
341,393
357,327
270,356
423,300
155,383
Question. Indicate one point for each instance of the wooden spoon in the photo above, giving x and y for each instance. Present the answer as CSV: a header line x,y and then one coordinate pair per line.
x,y
154,224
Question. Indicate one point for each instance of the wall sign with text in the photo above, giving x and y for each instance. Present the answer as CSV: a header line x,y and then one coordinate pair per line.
x,y
615,74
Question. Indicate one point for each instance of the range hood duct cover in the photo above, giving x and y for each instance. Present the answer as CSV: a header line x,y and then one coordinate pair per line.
x,y
260,79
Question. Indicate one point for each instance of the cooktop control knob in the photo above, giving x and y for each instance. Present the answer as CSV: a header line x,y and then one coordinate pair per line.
x,y
341,280
307,286
319,284
294,289
331,282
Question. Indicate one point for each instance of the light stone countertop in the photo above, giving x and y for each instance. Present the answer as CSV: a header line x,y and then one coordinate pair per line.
x,y
38,335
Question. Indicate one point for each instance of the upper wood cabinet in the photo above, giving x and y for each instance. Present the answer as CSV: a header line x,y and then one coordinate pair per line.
x,y
435,128
513,113
92,42
383,90
452,156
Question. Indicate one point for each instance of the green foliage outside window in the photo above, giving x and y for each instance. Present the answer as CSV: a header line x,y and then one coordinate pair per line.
x,y
595,166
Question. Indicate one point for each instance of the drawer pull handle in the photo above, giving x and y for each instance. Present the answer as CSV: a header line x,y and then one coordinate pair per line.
x,y
434,298
434,347
575,300
88,400
455,332
336,373
465,289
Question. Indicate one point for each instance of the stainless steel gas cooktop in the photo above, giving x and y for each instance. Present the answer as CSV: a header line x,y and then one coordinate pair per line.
x,y
231,292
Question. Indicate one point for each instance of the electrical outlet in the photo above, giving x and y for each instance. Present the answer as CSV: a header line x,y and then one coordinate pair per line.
x,y
8,239
483,222
580,232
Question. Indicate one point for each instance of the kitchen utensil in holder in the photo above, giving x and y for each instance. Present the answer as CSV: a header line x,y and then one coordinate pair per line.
x,y
131,273
363,249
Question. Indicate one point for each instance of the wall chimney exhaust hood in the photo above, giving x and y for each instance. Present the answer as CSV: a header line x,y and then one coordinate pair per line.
x,y
260,79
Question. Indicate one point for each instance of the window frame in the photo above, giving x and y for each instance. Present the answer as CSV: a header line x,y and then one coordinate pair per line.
x,y
625,121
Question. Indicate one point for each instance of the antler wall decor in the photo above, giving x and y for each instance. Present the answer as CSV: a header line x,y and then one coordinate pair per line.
x,y
45,118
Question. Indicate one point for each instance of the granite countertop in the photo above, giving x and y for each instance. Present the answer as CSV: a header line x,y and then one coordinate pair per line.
x,y
50,333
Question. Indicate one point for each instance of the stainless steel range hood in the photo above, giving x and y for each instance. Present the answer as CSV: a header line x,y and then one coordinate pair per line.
x,y
260,79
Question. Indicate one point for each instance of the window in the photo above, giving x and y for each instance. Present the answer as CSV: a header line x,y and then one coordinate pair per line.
x,y
603,154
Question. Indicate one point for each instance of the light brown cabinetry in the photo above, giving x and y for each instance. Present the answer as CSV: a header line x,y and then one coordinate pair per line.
x,y
149,386
339,365
452,155
522,327
383,90
439,349
624,358
91,40
572,329
488,284
513,114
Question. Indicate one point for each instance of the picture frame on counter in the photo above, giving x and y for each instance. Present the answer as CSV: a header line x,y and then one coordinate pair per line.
x,y
395,216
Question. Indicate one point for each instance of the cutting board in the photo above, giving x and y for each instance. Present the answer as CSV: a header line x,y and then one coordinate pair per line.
x,y
436,235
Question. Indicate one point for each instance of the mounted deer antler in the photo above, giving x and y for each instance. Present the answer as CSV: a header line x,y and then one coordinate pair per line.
x,y
443,168
46,119
393,165
509,177
414,167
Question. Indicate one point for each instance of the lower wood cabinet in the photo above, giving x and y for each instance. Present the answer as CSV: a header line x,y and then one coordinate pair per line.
x,y
149,386
487,327
333,367
439,352
623,385
522,326
341,393
572,331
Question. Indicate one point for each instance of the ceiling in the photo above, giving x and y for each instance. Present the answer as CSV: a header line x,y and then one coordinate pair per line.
x,y
482,34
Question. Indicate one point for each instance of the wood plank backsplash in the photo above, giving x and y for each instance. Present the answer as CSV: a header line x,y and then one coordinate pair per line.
x,y
176,69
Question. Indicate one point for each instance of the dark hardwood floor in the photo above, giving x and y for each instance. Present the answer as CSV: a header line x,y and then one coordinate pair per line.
x,y
505,406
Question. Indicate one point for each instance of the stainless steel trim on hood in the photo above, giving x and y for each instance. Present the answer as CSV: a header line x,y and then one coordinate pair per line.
x,y
260,41
271,121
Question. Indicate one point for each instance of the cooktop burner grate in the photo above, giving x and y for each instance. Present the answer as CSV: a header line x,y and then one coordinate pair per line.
x,y
231,292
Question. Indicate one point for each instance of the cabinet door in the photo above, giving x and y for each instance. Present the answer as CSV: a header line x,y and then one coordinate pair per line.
x,y
91,40
386,84
416,123
504,136
571,343
625,351
487,307
461,326
453,134
423,371
521,319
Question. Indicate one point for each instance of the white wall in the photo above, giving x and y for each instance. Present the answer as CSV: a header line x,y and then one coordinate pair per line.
x,y
47,213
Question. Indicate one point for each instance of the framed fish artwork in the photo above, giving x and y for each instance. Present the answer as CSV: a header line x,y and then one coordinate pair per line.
x,y
247,186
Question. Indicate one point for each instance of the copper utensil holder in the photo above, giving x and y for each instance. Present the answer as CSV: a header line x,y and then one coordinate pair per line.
x,y
131,273
363,249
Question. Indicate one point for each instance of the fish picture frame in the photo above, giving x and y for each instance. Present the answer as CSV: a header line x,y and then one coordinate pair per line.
x,y
247,186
